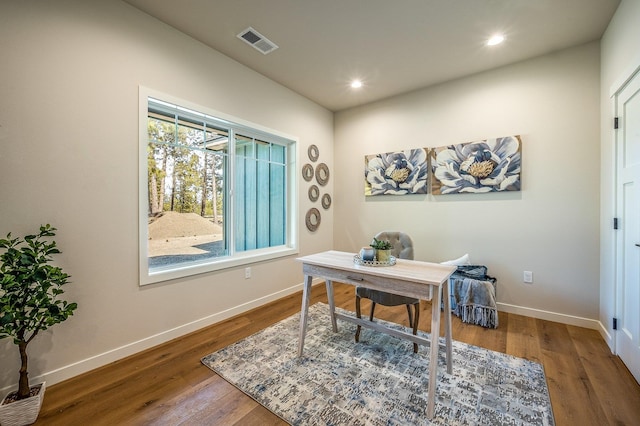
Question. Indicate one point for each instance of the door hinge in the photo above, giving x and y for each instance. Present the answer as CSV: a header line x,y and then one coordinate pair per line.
x,y
615,123
615,223
615,323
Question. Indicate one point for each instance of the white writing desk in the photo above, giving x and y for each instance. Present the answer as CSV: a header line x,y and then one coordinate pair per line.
x,y
407,278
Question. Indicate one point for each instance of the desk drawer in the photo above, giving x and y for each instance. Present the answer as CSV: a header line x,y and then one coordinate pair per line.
x,y
370,280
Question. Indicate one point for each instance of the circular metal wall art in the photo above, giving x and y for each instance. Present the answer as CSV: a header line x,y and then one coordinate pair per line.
x,y
313,153
312,219
322,174
307,172
314,193
326,201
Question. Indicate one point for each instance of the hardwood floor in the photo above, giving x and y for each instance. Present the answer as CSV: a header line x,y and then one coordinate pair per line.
x,y
167,385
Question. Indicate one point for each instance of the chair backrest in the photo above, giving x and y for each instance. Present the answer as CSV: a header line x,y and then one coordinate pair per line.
x,y
402,243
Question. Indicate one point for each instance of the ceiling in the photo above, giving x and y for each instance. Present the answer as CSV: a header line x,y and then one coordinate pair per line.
x,y
393,46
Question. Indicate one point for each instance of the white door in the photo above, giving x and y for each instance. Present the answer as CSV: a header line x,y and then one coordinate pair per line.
x,y
628,210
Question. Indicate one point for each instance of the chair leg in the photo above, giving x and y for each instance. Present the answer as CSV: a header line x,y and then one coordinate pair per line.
x,y
410,316
416,321
359,316
373,307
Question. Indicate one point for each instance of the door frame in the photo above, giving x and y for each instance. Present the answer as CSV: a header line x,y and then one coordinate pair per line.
x,y
614,93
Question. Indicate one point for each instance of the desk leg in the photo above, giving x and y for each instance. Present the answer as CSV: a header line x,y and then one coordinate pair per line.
x,y
433,357
304,312
332,305
447,322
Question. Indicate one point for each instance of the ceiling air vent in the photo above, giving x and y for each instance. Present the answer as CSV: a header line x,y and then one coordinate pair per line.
x,y
257,41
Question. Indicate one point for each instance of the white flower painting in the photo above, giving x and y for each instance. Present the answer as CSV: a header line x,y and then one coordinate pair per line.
x,y
489,165
396,173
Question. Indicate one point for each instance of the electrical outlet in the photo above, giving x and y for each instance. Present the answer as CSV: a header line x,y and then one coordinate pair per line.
x,y
247,273
528,277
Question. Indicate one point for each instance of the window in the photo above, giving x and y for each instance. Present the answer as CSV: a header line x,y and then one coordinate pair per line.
x,y
215,193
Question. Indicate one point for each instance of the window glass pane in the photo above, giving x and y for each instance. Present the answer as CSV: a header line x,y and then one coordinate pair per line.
x,y
277,153
244,146
160,130
277,204
190,133
263,187
245,195
259,196
263,149
186,193
217,140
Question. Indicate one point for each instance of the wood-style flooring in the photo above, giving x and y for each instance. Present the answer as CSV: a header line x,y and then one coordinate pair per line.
x,y
167,385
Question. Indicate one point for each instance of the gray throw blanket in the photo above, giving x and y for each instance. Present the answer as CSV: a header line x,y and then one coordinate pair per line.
x,y
473,296
475,302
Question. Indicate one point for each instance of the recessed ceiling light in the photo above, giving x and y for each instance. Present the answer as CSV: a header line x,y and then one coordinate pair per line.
x,y
496,39
356,84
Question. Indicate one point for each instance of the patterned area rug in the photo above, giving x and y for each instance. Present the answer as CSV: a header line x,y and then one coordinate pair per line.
x,y
379,381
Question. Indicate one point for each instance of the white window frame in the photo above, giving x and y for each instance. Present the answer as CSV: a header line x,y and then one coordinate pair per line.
x,y
236,259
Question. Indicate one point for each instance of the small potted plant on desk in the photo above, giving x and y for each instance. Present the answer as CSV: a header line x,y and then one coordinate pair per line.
x,y
383,249
29,300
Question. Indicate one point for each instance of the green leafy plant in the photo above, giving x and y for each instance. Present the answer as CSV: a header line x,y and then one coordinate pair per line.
x,y
29,293
381,244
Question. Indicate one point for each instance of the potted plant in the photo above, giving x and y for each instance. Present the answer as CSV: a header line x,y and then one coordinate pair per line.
x,y
29,303
383,249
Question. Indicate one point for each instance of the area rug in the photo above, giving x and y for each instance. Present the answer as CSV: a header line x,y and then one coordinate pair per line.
x,y
379,381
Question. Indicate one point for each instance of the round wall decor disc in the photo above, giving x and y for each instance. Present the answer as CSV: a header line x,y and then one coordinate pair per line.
x,y
322,174
313,153
312,220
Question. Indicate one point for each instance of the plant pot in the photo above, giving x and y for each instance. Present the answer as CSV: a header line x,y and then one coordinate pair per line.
x,y
367,253
24,411
383,255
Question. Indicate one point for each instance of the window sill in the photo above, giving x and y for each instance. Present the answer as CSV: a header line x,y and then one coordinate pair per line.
x,y
196,268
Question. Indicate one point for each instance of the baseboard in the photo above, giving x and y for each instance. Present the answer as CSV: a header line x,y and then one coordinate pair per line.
x,y
86,365
550,316
608,338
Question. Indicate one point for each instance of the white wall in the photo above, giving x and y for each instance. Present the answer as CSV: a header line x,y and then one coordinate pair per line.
x,y
620,55
550,227
70,72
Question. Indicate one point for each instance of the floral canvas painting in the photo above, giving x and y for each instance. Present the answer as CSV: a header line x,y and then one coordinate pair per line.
x,y
396,173
490,165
